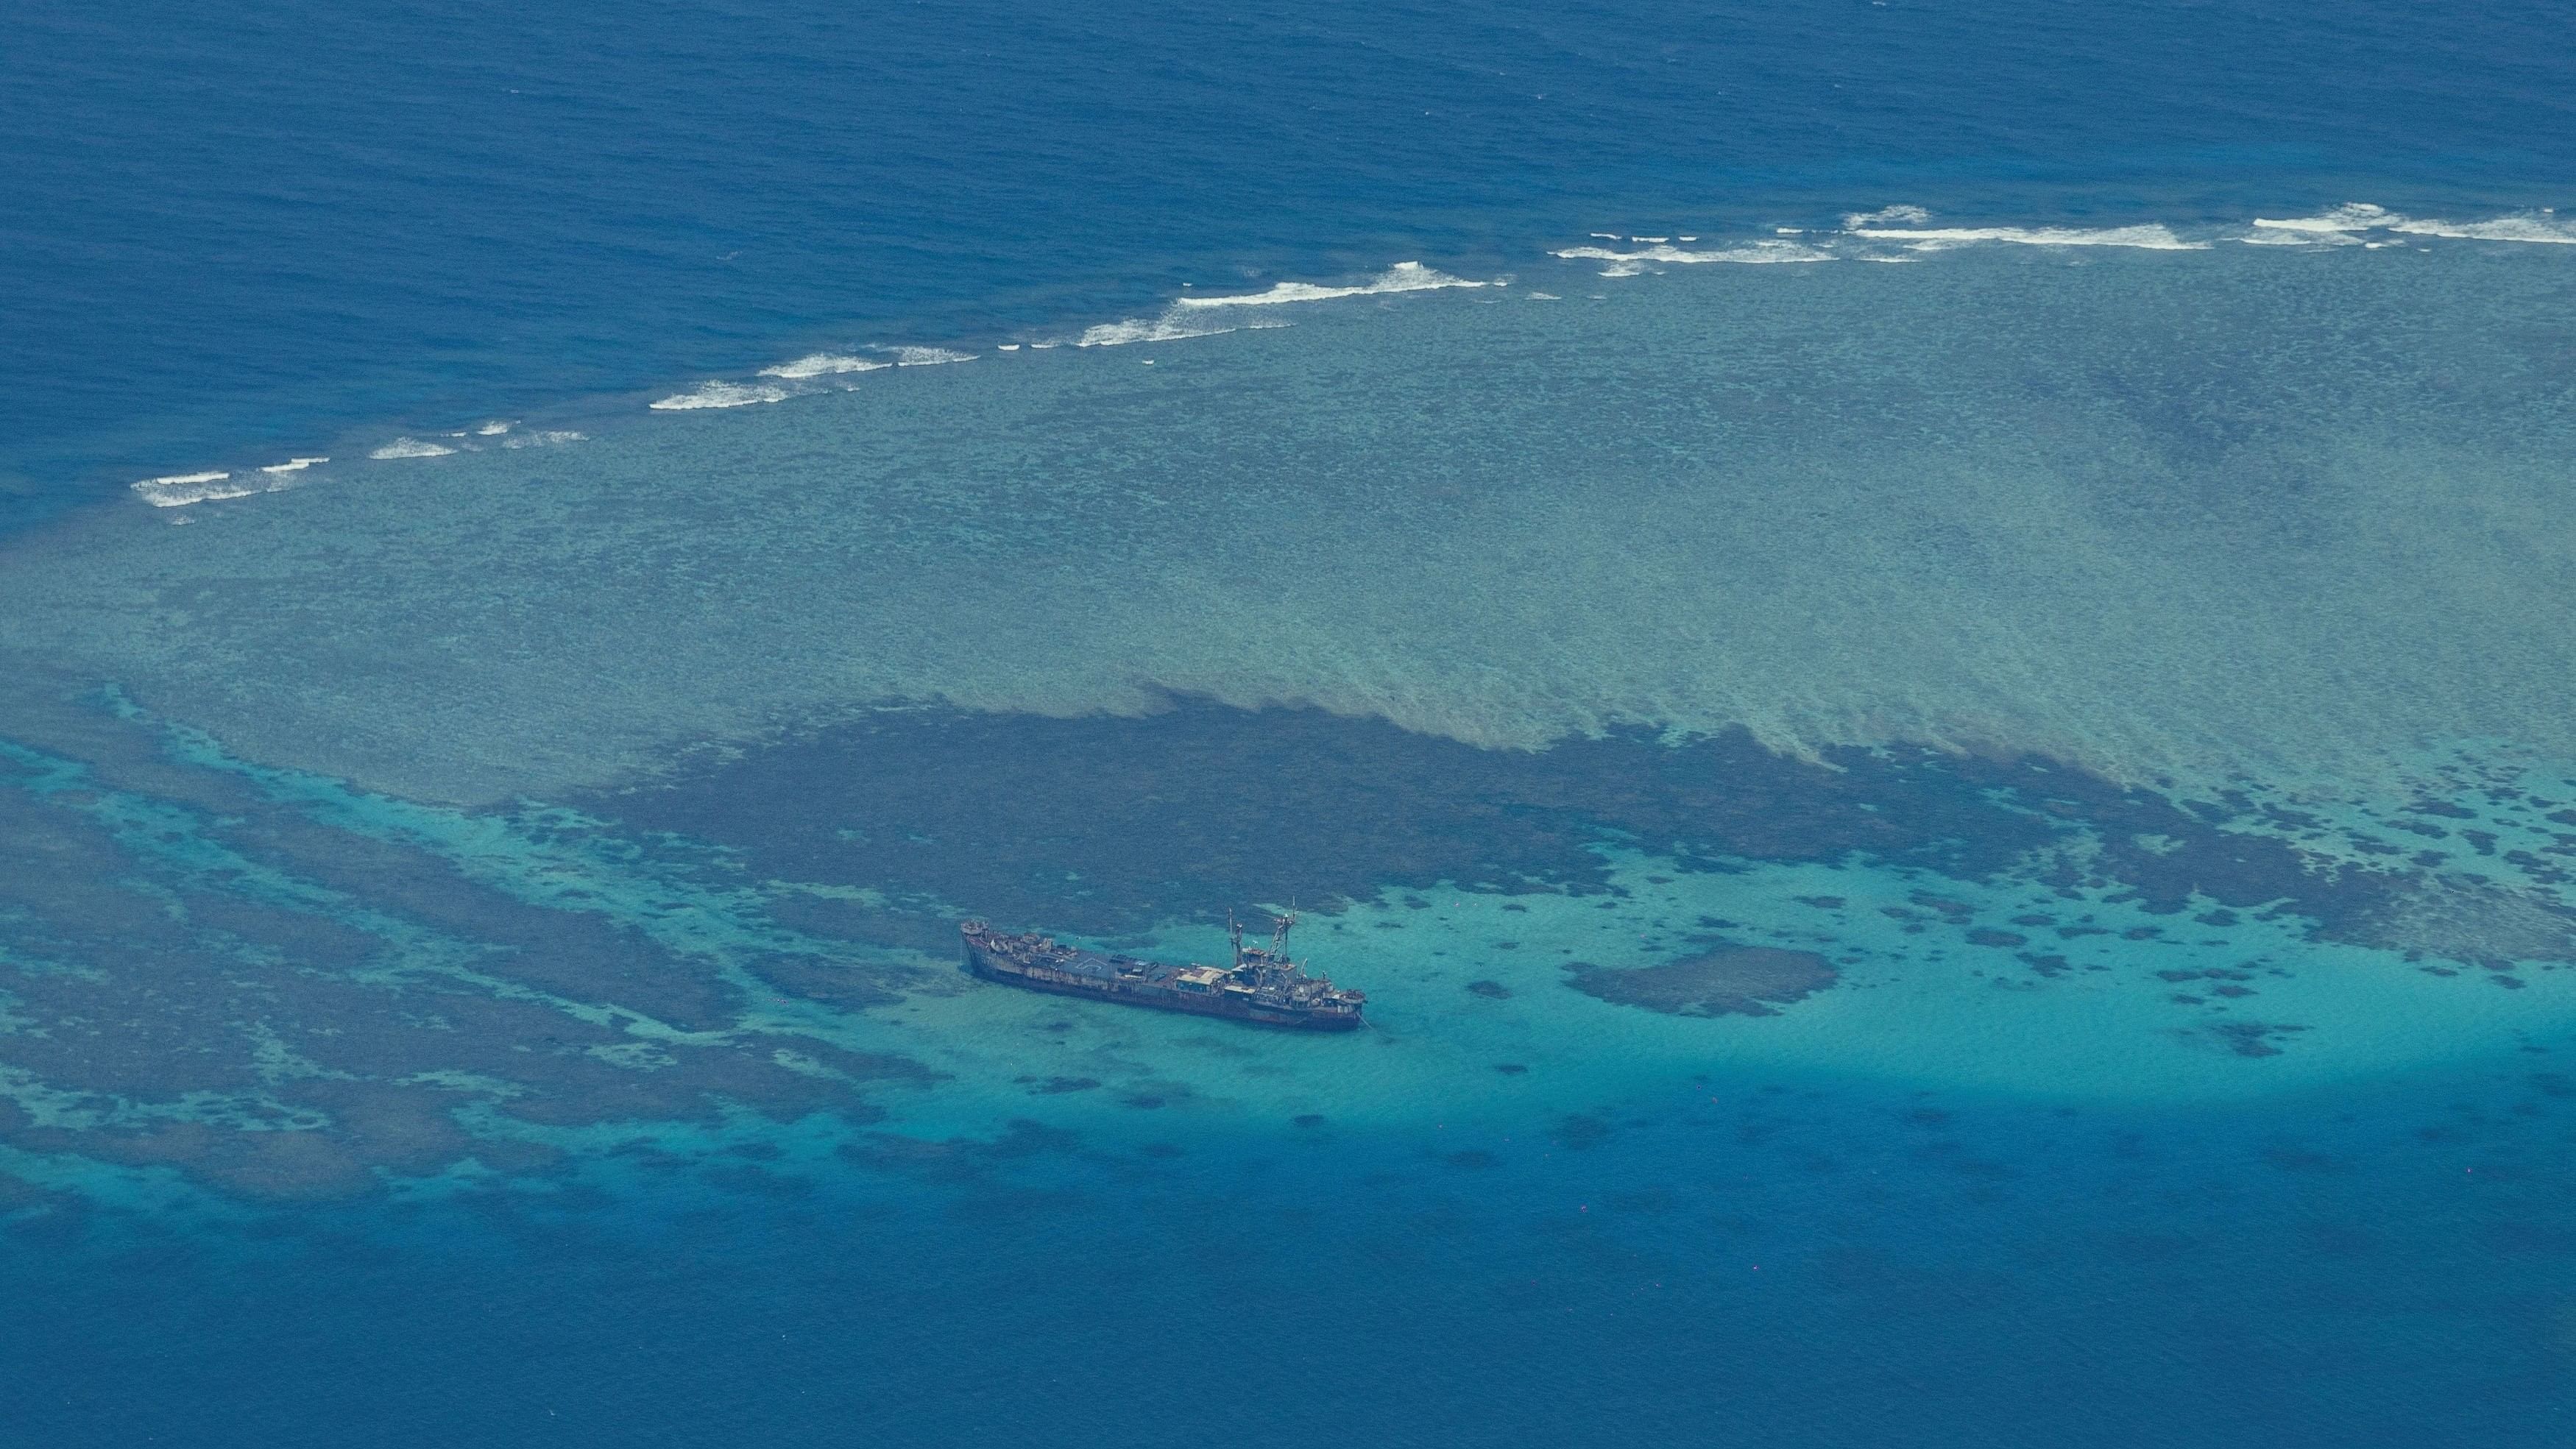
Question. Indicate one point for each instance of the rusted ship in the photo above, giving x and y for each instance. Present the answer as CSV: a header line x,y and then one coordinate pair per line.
x,y
1262,985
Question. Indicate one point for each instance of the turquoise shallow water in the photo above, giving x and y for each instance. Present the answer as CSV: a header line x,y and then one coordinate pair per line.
x,y
1921,666
2252,516
508,876
2163,513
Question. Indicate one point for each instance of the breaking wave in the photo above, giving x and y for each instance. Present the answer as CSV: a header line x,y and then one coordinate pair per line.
x,y
2345,223
2152,236
823,364
1628,264
1402,277
1188,316
181,489
1167,328
1902,215
414,448
718,395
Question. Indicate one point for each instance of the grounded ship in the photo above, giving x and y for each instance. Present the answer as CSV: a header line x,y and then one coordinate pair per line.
x,y
1261,986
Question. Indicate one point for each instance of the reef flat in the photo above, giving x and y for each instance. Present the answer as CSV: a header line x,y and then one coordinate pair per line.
x,y
284,988
1833,505
1720,981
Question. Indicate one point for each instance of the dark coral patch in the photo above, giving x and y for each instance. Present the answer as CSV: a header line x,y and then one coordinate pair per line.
x,y
23,1202
1108,825
1058,1086
1490,990
1101,825
1579,1131
293,1041
2252,1038
1725,981
2291,1157
960,1161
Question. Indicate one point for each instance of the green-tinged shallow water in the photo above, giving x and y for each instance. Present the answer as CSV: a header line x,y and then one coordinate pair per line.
x,y
2023,786
2251,510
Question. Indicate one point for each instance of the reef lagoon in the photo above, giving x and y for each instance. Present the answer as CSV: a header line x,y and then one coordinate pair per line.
x,y
1958,812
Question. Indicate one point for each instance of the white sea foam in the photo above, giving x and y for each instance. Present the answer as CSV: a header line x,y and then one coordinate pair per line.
x,y
1903,215
545,438
720,395
413,448
2276,236
823,364
2150,236
927,356
178,490
2338,223
2504,229
1402,277
1170,327
1628,264
494,428
2354,217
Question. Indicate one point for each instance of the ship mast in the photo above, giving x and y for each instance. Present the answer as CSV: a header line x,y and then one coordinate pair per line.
x,y
1271,967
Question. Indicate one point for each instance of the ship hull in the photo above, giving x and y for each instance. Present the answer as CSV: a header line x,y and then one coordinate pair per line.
x,y
991,969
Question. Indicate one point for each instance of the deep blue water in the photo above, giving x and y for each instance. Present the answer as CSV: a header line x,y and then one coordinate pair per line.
x,y
232,233
233,230
1789,1263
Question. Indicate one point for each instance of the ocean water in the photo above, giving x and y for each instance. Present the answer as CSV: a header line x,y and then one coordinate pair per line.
x,y
1918,652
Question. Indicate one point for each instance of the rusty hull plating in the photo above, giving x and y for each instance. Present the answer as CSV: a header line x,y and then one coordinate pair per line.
x,y
1263,985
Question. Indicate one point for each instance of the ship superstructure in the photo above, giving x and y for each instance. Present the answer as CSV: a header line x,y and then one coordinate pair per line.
x,y
1263,985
